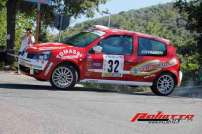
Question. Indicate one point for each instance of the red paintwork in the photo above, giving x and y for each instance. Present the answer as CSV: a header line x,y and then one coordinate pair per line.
x,y
83,61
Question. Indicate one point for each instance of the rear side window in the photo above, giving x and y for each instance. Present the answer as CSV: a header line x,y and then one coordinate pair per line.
x,y
150,47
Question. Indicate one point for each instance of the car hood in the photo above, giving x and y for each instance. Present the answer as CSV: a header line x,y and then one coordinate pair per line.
x,y
37,48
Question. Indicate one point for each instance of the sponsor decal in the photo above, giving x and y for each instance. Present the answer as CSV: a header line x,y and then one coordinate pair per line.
x,y
66,52
48,68
94,64
147,52
113,65
161,117
151,67
70,57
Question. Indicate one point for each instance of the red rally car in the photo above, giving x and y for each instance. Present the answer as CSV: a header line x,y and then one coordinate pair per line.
x,y
104,55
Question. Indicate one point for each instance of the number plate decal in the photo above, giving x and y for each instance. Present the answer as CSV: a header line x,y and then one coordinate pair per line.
x,y
113,65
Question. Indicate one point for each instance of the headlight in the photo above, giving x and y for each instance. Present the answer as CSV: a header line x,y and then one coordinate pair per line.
x,y
44,55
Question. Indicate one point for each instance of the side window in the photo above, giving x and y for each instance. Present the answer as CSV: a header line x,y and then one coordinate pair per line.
x,y
120,45
149,47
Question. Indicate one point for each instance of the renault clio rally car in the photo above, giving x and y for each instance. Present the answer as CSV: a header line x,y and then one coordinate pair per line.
x,y
104,55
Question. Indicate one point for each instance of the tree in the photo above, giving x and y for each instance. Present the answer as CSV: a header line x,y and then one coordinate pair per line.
x,y
71,7
11,14
2,28
193,10
2,3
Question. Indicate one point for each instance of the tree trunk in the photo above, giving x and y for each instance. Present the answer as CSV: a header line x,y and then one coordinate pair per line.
x,y
11,20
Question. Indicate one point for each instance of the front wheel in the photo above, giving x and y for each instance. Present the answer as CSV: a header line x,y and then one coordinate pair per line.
x,y
63,77
164,84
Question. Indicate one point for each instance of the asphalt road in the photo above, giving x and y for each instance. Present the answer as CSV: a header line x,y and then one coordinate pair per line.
x,y
31,107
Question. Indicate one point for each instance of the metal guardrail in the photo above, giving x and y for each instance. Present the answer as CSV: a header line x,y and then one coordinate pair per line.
x,y
190,87
4,53
189,82
14,55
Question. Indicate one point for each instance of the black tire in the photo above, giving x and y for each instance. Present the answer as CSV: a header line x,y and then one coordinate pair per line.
x,y
164,84
65,80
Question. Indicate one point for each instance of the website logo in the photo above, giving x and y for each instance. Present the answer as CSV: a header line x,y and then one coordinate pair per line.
x,y
161,117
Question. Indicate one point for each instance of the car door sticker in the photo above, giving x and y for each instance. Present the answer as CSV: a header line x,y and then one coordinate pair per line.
x,y
113,65
69,54
151,67
94,64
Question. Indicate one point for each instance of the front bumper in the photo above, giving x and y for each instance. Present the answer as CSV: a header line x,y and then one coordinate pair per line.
x,y
31,66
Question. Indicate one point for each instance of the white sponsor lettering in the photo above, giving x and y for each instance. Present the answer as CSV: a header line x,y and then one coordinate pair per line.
x,y
66,52
151,52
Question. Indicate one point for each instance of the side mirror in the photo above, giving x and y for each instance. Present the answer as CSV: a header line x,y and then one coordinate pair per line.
x,y
97,49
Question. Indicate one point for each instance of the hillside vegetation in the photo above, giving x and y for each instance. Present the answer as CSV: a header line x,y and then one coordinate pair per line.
x,y
161,20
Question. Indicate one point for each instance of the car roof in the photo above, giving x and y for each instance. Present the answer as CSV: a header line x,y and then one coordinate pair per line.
x,y
114,30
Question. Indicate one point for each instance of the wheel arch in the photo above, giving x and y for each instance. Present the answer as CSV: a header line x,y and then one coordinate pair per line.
x,y
71,63
154,86
173,74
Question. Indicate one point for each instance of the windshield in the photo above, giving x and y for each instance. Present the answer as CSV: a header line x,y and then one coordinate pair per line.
x,y
82,39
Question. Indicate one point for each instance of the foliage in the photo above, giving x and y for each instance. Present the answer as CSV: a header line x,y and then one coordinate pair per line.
x,y
2,3
2,28
193,10
22,22
72,8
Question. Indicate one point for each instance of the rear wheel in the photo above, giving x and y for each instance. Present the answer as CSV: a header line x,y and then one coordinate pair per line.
x,y
63,77
164,84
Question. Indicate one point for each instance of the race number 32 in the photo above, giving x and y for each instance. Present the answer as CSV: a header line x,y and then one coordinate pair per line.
x,y
113,65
